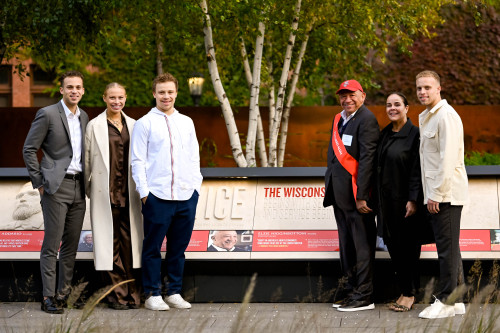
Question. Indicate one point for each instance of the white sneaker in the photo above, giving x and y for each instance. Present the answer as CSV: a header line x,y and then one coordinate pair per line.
x,y
176,301
459,308
156,303
437,310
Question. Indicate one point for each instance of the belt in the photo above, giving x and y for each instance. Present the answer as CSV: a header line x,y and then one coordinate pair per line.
x,y
75,176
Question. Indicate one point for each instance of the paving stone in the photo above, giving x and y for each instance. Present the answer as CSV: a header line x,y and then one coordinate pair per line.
x,y
8,310
260,318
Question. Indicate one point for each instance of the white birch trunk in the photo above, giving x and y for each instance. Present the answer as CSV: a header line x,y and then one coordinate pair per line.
x,y
272,105
270,95
246,63
254,97
261,141
219,90
273,135
291,94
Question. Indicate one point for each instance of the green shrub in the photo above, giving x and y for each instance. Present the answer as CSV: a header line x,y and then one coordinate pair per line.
x,y
481,158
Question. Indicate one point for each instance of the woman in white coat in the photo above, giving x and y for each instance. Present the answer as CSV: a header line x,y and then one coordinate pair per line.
x,y
115,207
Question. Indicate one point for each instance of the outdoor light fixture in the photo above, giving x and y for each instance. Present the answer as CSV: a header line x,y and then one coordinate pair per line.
x,y
195,87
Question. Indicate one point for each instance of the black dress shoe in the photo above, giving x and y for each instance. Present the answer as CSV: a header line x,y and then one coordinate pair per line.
x,y
357,305
118,306
62,300
133,306
49,305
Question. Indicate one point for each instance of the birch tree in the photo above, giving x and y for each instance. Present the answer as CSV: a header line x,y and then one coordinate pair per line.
x,y
340,36
276,121
254,114
219,89
258,52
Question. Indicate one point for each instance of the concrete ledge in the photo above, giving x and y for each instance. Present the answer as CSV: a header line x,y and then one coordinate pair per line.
x,y
472,171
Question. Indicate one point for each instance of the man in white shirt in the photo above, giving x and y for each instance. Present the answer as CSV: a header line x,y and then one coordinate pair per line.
x,y
58,131
444,181
166,169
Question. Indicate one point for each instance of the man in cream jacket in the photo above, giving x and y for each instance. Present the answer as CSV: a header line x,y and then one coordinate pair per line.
x,y
444,182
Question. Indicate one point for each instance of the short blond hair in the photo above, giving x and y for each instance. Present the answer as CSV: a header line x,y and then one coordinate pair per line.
x,y
428,73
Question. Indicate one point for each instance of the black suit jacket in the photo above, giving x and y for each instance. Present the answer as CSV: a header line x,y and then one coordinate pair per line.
x,y
364,129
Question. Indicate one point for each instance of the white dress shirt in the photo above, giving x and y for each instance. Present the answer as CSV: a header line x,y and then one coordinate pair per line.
x,y
165,156
346,118
75,131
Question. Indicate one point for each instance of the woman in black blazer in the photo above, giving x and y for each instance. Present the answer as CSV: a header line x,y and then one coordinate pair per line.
x,y
398,193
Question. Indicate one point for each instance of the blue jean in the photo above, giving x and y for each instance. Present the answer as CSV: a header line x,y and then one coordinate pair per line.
x,y
175,220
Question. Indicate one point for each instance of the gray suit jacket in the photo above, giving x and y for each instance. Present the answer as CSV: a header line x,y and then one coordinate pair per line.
x,y
50,132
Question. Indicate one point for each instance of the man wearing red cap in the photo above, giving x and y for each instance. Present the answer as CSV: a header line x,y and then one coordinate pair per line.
x,y
348,182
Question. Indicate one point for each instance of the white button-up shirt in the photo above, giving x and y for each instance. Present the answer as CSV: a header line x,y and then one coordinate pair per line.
x,y
346,118
165,156
75,131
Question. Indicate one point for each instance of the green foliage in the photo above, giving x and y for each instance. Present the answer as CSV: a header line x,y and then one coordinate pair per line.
x,y
464,51
345,39
120,40
50,28
481,158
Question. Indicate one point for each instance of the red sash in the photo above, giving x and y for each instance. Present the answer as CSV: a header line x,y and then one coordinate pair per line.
x,y
347,161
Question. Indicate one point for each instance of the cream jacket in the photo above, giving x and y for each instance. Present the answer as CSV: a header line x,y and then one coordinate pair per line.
x,y
97,189
442,155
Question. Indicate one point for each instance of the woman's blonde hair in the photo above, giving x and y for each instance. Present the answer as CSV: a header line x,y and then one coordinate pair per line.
x,y
113,85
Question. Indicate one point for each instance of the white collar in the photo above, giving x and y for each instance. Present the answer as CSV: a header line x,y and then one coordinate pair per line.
x,y
345,117
158,112
438,105
68,112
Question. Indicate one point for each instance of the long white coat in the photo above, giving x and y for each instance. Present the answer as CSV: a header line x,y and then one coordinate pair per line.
x,y
97,189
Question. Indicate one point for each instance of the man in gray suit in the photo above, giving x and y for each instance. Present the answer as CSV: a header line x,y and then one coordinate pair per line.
x,y
58,130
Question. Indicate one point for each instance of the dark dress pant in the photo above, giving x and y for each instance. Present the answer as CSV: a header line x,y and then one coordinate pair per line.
x,y
128,293
404,250
446,227
63,214
357,238
175,220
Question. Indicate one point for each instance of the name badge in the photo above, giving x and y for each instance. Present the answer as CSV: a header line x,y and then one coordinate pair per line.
x,y
347,140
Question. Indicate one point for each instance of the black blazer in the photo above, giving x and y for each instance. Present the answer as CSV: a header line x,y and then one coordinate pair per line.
x,y
397,174
364,129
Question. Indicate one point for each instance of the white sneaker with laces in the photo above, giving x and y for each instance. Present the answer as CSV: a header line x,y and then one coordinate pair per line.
x,y
176,301
437,310
156,303
459,308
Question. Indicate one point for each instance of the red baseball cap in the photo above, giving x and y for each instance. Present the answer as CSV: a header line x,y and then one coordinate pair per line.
x,y
351,85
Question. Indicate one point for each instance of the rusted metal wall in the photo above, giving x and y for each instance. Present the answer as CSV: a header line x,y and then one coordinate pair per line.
x,y
309,131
